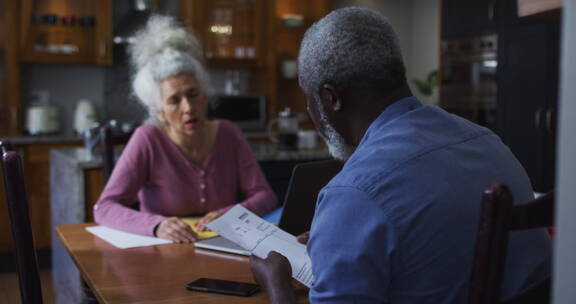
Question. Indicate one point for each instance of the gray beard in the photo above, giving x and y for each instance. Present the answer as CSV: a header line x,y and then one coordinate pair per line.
x,y
337,146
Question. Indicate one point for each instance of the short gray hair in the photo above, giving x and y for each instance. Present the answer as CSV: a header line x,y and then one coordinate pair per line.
x,y
351,48
164,48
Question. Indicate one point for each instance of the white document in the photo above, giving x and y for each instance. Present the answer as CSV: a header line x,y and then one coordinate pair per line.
x,y
258,236
123,239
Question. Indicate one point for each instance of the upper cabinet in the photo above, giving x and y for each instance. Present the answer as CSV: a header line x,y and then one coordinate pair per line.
x,y
468,18
540,7
291,20
9,69
232,31
259,36
66,31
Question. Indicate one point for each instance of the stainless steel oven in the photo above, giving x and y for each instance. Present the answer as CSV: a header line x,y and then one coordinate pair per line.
x,y
468,78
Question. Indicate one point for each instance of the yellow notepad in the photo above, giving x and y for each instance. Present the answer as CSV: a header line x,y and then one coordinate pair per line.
x,y
191,221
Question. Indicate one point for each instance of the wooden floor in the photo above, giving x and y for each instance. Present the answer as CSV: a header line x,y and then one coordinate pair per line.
x,y
10,294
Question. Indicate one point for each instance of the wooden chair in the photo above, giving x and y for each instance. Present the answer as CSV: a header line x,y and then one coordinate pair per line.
x,y
498,217
26,260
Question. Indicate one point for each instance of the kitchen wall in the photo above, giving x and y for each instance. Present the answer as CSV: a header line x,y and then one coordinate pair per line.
x,y
66,84
418,26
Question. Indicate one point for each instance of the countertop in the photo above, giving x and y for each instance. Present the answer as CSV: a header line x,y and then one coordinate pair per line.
x,y
65,139
43,139
262,152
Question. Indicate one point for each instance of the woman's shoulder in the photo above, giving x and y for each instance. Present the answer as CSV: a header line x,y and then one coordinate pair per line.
x,y
229,129
146,130
146,133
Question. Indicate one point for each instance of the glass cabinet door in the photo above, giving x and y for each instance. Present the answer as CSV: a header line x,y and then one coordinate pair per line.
x,y
231,30
66,31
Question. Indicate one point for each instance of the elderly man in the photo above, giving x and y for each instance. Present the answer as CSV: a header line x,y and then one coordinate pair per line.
x,y
398,223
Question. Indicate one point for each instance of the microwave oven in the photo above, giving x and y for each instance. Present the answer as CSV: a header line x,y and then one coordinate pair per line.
x,y
247,111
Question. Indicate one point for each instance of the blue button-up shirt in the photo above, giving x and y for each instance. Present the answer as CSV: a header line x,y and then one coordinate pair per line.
x,y
398,223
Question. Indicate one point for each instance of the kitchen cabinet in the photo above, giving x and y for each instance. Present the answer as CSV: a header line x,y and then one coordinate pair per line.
x,y
235,37
540,7
10,93
274,30
66,31
468,18
528,70
292,19
36,163
526,79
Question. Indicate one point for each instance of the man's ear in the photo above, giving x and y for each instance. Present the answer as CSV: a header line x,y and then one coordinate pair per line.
x,y
331,97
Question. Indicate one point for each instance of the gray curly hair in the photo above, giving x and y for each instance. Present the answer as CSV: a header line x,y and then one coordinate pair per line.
x,y
351,48
164,48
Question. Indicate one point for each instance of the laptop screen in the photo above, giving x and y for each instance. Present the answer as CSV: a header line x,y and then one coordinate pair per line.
x,y
300,201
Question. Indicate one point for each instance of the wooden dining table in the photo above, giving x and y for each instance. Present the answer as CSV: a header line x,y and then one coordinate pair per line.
x,y
153,274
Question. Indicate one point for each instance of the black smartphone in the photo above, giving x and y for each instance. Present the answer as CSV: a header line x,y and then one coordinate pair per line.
x,y
224,287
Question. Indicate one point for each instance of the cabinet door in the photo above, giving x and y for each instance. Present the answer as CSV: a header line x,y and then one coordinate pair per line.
x,y
527,97
232,32
467,17
66,31
9,69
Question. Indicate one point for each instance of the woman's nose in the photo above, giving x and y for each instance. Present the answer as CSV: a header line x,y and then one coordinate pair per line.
x,y
186,105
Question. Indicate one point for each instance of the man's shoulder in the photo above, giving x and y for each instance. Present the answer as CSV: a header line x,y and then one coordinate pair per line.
x,y
417,141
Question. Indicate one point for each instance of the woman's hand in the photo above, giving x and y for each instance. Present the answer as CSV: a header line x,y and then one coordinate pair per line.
x,y
175,230
210,216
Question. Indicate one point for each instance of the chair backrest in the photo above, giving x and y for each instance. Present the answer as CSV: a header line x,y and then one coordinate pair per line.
x,y
107,143
6,145
498,216
27,263
300,200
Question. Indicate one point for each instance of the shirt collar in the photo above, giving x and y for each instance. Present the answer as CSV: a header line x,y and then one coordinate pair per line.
x,y
394,110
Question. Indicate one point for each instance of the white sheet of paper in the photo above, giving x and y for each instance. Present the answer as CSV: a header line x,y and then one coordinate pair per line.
x,y
258,236
123,239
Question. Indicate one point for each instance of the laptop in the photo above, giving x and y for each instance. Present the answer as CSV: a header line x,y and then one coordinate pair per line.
x,y
299,203
221,244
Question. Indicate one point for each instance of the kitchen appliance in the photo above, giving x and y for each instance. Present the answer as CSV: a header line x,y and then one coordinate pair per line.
x,y
287,133
247,111
85,116
41,117
468,85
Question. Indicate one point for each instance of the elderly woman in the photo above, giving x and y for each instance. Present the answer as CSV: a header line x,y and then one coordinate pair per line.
x,y
180,163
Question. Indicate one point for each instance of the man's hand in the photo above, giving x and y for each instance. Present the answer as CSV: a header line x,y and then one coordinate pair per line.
x,y
304,237
274,275
175,230
210,216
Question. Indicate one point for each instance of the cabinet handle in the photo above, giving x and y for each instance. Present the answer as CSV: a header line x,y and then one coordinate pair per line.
x,y
537,115
102,49
491,11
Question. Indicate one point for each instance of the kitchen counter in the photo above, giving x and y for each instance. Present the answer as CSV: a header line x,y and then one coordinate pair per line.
x,y
262,152
43,139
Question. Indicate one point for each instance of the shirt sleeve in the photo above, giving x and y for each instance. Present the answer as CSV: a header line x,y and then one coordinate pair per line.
x,y
259,197
351,247
130,173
